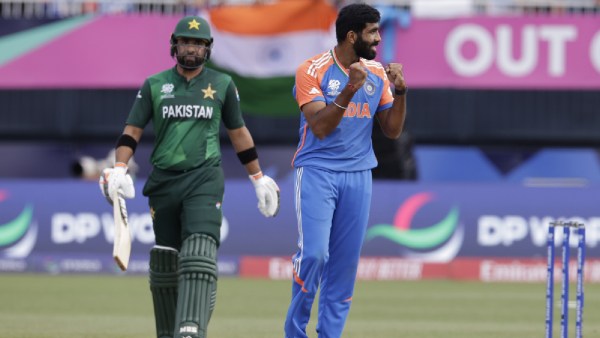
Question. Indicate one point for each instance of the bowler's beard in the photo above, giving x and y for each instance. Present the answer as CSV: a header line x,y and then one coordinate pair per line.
x,y
363,49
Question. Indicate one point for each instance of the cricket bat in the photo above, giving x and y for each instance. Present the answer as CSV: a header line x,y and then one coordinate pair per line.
x,y
122,243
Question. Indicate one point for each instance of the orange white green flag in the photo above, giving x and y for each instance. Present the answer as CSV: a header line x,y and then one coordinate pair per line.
x,y
262,45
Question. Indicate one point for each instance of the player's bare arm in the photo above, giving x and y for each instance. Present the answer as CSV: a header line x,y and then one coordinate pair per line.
x,y
124,153
241,141
267,190
392,120
323,119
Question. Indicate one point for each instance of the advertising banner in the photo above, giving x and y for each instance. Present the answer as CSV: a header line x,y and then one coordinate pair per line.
x,y
516,52
525,270
57,226
536,52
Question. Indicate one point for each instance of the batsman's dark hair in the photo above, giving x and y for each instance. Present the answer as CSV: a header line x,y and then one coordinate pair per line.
x,y
354,17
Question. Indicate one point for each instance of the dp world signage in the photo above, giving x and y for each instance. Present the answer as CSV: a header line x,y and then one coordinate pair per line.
x,y
66,225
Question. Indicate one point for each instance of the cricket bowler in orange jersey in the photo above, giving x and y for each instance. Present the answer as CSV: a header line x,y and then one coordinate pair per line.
x,y
340,93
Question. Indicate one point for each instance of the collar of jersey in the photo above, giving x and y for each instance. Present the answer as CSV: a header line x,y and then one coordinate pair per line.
x,y
338,63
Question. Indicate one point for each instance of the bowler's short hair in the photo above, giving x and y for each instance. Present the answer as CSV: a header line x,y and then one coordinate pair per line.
x,y
354,18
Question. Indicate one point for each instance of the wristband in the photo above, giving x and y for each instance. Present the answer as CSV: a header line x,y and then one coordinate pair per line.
x,y
339,106
126,141
248,155
401,91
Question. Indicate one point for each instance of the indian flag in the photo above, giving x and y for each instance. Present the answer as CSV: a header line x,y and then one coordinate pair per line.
x,y
261,46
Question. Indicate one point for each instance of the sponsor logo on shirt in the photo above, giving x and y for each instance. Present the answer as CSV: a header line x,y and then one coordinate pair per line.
x,y
314,91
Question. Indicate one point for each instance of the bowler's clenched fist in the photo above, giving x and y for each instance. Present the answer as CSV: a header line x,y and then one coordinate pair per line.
x,y
357,75
395,75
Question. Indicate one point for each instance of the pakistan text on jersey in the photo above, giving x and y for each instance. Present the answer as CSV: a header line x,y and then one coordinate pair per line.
x,y
187,111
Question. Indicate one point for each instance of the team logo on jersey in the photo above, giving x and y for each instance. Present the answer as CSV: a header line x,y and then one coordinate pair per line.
x,y
369,87
334,88
167,90
209,92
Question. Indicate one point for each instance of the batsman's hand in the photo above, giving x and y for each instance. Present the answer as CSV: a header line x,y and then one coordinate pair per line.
x,y
116,179
267,193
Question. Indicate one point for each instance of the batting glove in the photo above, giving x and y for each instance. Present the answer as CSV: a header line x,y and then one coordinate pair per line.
x,y
116,179
267,193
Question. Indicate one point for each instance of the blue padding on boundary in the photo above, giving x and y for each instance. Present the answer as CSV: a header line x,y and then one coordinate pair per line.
x,y
559,163
454,164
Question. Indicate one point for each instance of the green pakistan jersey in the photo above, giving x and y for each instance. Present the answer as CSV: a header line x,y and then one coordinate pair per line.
x,y
187,116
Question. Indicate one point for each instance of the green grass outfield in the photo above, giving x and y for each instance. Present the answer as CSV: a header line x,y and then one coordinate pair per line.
x,y
75,306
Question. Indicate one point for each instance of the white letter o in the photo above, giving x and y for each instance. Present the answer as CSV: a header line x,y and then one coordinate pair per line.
x,y
485,50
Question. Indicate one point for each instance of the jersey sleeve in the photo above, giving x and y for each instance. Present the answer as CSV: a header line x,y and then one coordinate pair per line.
x,y
232,113
387,98
307,88
141,112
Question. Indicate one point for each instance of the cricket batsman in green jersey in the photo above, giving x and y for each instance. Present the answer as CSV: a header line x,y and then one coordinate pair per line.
x,y
185,189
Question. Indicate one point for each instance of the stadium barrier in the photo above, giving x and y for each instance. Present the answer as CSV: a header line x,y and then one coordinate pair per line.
x,y
487,232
